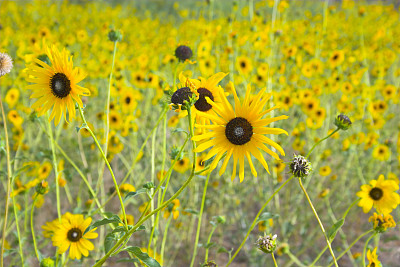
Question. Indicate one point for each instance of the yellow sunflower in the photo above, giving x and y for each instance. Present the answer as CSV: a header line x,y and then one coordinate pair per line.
x,y
381,194
239,132
69,234
373,258
56,86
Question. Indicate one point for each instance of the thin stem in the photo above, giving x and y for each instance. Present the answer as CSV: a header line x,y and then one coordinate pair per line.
x,y
352,244
136,159
295,259
33,230
203,200
255,220
317,143
365,248
106,133
273,258
9,175
322,252
21,253
140,222
317,217
53,150
108,166
208,242
165,237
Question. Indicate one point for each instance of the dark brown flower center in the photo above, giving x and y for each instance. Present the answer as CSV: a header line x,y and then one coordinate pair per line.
x,y
201,104
74,234
376,193
239,131
60,85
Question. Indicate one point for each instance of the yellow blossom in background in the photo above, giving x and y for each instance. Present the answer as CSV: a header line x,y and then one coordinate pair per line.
x,y
380,194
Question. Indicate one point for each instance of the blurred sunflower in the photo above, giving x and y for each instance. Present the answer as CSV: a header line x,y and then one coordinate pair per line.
x,y
381,194
373,258
239,132
56,86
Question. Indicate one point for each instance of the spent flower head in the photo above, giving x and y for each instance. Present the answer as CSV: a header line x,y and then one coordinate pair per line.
x,y
267,244
343,122
6,64
382,222
183,52
300,167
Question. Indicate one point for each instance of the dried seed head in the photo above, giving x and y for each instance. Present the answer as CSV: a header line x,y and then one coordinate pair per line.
x,y
300,167
183,52
267,244
6,64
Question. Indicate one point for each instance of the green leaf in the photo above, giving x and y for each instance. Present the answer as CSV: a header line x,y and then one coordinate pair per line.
x,y
210,245
112,219
132,194
128,260
118,229
192,211
334,229
109,242
179,130
266,216
222,250
144,257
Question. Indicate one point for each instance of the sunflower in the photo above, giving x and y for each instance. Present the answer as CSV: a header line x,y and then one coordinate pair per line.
x,y
381,194
373,258
56,85
239,132
69,234
381,152
182,165
12,97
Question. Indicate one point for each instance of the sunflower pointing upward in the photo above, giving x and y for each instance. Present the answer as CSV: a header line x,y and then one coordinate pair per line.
x,y
239,132
56,86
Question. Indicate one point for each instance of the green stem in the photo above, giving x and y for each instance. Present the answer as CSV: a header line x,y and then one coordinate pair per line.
x,y
317,143
352,244
108,166
165,237
365,248
153,172
273,258
136,159
21,253
108,102
33,230
203,200
255,220
319,221
53,150
165,204
9,175
295,259
208,242
326,247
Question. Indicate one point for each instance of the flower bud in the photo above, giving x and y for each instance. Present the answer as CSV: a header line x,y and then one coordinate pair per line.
x,y
42,187
115,36
47,262
343,122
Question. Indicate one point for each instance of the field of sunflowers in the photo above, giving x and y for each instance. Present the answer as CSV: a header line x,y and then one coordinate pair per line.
x,y
199,133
